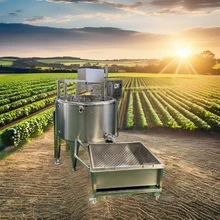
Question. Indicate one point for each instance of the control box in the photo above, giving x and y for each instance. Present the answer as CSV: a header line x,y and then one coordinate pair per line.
x,y
114,88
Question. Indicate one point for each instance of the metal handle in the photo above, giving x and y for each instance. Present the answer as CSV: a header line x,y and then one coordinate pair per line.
x,y
76,150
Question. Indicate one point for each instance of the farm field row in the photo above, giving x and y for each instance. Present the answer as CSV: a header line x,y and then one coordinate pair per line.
x,y
23,100
149,101
174,102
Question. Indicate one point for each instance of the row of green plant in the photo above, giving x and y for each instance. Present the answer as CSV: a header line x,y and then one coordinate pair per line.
x,y
168,119
156,122
210,118
27,94
130,113
22,102
183,121
143,121
209,105
143,83
26,129
205,90
31,88
119,104
177,105
21,82
127,82
24,111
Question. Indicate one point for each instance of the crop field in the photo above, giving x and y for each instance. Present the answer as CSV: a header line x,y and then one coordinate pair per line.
x,y
178,102
27,104
32,187
181,102
6,62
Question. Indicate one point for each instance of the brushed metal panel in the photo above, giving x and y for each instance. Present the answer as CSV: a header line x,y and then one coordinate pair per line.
x,y
117,155
89,124
124,164
117,179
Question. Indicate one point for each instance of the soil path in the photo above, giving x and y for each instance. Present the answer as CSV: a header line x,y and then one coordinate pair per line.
x,y
31,187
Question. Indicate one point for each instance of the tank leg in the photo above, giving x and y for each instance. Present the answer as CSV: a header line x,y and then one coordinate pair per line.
x,y
93,199
57,144
57,150
157,195
72,148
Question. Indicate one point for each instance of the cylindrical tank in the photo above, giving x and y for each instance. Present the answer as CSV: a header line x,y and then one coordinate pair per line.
x,y
87,117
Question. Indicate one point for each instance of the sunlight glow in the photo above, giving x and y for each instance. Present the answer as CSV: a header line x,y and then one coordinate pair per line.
x,y
183,53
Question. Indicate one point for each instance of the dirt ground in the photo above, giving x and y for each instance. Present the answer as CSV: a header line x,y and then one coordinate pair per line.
x,y
31,187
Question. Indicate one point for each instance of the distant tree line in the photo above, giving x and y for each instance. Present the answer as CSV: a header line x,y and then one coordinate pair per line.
x,y
34,70
202,63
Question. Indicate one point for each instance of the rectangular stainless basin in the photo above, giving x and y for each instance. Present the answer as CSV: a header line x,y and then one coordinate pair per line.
x,y
125,167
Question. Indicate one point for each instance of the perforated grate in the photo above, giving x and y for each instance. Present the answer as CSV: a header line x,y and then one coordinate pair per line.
x,y
121,155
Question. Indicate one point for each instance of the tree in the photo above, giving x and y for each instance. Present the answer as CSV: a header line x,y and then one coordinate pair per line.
x,y
208,61
207,54
204,62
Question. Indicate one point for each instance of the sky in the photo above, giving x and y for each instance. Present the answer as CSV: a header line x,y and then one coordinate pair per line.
x,y
102,29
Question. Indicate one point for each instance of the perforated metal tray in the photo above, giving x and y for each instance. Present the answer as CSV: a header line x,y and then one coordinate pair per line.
x,y
122,156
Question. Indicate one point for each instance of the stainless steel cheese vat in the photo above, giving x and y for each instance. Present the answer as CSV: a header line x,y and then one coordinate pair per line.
x,y
86,117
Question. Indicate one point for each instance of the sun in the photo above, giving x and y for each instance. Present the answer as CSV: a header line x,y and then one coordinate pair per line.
x,y
183,52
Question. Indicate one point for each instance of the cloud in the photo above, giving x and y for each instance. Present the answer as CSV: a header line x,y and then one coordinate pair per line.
x,y
68,18
123,6
100,43
181,11
106,16
13,14
126,7
188,4
77,1
204,34
110,42
205,38
166,7
38,19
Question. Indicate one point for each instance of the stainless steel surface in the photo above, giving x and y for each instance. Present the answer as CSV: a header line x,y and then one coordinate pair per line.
x,y
114,88
125,178
86,117
116,168
109,138
92,77
124,165
79,143
121,155
89,118
62,86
